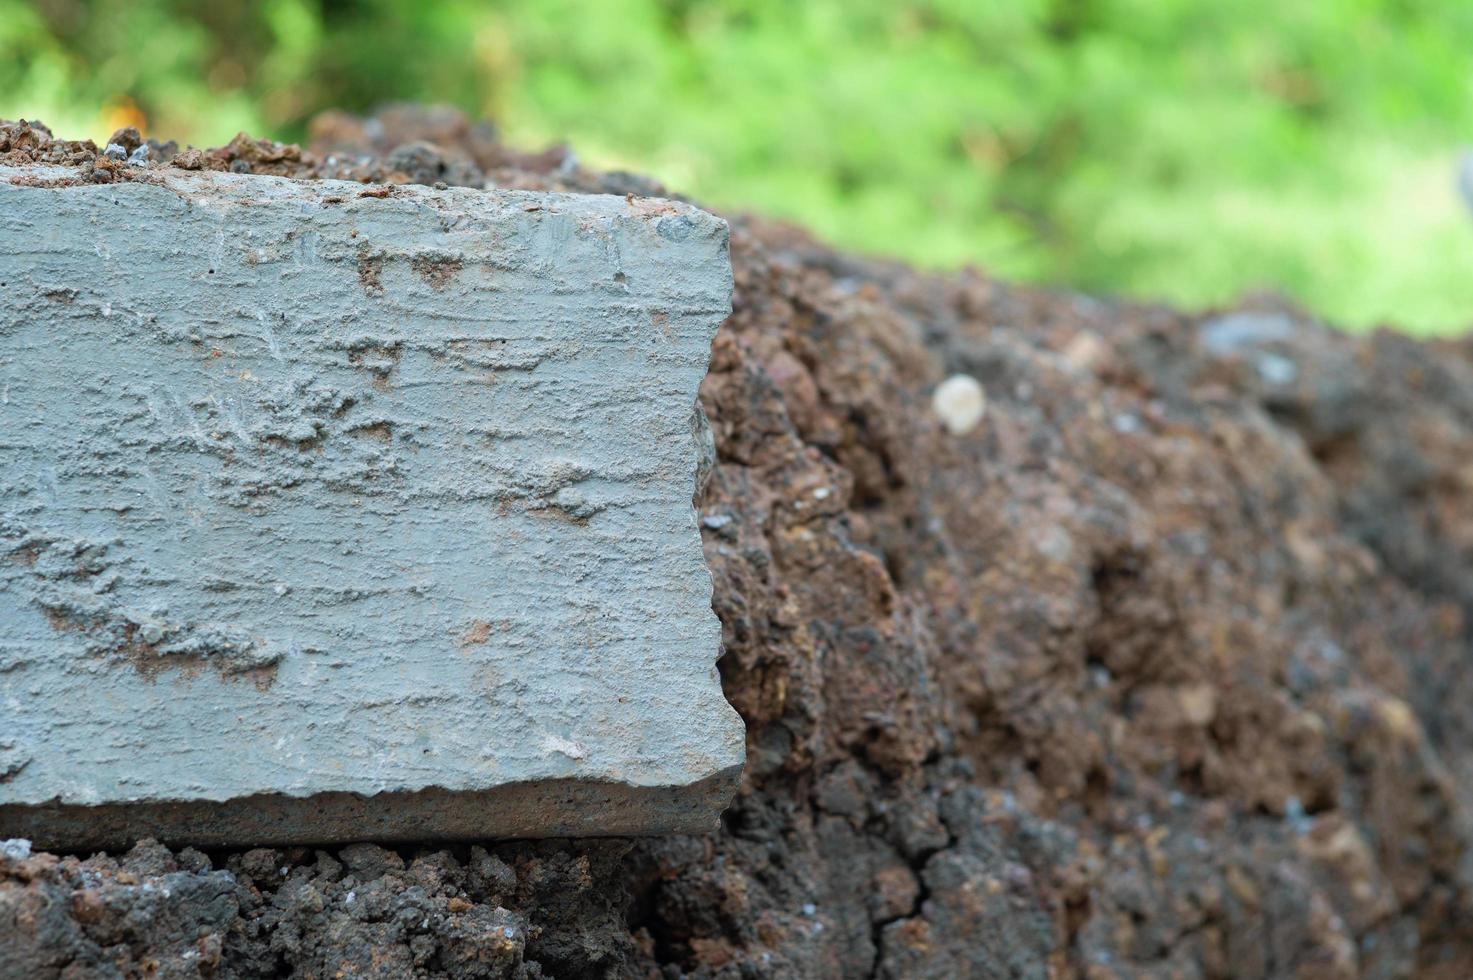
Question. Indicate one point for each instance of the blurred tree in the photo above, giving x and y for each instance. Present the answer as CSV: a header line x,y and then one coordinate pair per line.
x,y
1167,148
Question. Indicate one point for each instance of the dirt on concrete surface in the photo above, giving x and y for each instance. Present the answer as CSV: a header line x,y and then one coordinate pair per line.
x,y
1162,669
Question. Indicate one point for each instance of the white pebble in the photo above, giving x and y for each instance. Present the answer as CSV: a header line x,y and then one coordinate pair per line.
x,y
1126,423
961,402
17,848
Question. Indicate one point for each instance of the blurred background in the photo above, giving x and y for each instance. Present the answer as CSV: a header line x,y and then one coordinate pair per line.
x,y
1166,149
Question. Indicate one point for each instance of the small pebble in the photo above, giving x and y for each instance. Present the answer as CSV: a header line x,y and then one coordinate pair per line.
x,y
1277,370
1084,351
16,848
961,402
115,151
1126,423
1233,333
139,157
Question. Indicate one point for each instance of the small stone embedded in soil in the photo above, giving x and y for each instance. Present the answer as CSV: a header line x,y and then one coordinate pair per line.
x,y
255,507
961,402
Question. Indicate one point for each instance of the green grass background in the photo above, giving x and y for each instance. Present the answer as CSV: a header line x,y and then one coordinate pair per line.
x,y
1187,151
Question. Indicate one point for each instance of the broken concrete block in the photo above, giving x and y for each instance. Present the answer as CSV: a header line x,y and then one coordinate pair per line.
x,y
334,512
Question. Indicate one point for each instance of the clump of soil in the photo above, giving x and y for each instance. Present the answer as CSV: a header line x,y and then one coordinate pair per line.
x,y
1162,669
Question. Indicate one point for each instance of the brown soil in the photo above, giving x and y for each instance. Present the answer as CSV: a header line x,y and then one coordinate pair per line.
x,y
1164,670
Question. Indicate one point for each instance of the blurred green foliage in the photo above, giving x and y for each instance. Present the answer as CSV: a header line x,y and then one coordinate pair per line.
x,y
1180,149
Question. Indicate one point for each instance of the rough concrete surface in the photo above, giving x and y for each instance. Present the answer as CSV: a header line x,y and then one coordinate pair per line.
x,y
1157,669
330,512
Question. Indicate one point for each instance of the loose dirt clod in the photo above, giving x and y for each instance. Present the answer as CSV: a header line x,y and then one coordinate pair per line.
x,y
1166,677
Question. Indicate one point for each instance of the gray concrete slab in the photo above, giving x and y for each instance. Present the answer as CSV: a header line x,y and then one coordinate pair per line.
x,y
330,512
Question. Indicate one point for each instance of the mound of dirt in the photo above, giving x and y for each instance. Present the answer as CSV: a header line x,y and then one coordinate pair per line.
x,y
1160,669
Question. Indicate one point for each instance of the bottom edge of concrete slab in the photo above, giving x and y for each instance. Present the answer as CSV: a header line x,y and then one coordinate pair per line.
x,y
557,808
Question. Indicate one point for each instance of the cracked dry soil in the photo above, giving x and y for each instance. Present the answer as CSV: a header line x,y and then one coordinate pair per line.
x,y
1163,670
